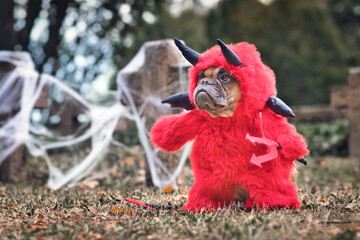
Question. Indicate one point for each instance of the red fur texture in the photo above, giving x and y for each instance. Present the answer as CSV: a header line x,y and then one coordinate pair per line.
x,y
220,156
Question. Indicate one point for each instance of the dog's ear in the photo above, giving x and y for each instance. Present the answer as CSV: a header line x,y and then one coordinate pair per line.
x,y
279,107
180,100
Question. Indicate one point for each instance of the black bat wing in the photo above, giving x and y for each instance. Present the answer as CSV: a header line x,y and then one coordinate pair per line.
x,y
279,107
180,100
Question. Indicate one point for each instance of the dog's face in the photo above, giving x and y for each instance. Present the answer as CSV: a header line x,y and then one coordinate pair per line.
x,y
217,92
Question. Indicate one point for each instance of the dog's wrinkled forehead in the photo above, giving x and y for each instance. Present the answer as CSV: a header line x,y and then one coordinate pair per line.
x,y
210,71
215,72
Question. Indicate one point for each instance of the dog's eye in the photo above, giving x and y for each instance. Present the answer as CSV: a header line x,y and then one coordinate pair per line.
x,y
201,75
224,77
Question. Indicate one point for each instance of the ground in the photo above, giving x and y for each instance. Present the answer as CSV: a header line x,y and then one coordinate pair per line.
x,y
328,188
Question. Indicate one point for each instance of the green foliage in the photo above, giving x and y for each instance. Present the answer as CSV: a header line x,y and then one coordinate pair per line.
x,y
188,26
325,137
346,15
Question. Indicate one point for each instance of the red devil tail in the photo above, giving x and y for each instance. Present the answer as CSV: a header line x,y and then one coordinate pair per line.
x,y
152,206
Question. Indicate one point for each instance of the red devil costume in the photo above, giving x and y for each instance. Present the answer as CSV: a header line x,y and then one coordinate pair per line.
x,y
254,150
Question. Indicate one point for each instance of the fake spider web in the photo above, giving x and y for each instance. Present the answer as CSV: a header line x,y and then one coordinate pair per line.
x,y
21,88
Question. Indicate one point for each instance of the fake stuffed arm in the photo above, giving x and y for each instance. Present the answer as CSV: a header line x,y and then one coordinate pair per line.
x,y
292,144
171,132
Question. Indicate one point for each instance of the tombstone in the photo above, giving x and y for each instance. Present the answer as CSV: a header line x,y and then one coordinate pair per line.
x,y
354,111
68,111
12,168
339,96
161,75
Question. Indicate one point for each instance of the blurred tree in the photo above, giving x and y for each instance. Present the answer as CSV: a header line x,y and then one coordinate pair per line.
x,y
297,39
189,26
74,39
346,14
81,41
182,19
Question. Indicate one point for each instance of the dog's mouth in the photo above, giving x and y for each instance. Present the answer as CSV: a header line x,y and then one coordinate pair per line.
x,y
204,101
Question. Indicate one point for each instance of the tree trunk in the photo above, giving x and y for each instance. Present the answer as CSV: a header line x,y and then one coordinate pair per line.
x,y
56,18
7,33
33,10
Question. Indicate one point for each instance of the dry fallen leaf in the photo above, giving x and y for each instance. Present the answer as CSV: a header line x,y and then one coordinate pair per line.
x,y
180,197
89,184
142,162
139,176
130,160
168,189
348,207
109,226
348,185
95,236
80,236
24,216
354,226
333,194
93,209
323,201
14,206
53,208
116,211
100,193
334,231
39,225
40,216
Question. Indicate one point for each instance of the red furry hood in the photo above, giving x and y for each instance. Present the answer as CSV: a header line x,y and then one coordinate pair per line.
x,y
256,80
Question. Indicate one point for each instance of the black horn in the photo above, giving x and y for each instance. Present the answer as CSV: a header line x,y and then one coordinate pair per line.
x,y
279,107
188,53
229,54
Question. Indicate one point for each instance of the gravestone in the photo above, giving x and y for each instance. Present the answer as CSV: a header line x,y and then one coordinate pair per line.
x,y
354,111
161,75
12,168
339,96
347,98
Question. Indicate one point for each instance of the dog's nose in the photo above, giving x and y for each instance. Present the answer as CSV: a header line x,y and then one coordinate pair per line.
x,y
207,81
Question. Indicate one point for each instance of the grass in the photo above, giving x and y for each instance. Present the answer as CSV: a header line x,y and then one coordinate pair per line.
x,y
328,188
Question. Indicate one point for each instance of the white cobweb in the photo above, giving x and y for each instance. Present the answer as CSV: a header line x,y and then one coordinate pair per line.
x,y
19,91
